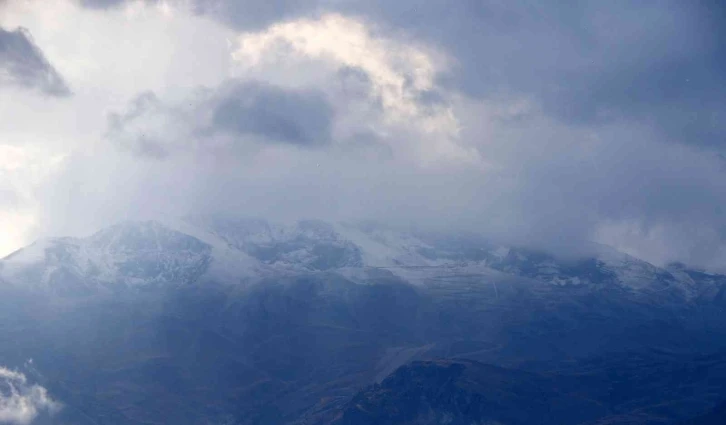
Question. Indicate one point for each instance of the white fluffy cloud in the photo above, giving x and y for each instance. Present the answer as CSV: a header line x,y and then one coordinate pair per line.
x,y
399,72
399,75
20,401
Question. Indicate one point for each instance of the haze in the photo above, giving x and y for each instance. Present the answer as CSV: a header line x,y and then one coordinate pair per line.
x,y
557,125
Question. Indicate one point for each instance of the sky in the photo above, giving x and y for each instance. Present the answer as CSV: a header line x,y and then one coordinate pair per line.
x,y
547,124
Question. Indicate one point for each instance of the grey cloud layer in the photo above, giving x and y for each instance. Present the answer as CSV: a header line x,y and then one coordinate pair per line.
x,y
101,4
23,64
255,14
247,14
574,108
587,62
553,186
291,116
222,118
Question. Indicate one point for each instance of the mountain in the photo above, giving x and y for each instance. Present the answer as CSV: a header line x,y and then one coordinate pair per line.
x,y
128,254
460,391
242,321
309,244
464,392
204,248
716,416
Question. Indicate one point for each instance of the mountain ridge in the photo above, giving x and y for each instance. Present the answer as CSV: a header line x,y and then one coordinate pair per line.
x,y
245,326
185,252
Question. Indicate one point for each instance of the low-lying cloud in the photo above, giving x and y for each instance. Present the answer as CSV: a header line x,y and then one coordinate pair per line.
x,y
21,402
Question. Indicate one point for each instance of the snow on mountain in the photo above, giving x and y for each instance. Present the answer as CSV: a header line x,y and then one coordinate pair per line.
x,y
228,263
129,254
305,245
240,249
383,247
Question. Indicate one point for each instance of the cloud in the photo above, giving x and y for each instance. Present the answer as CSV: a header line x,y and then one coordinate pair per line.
x,y
499,165
101,4
22,402
23,64
585,62
548,185
398,72
241,14
254,14
224,120
290,116
22,169
393,82
312,82
533,124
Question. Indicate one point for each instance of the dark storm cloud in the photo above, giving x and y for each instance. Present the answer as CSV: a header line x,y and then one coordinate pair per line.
x,y
289,116
256,14
101,4
241,14
110,4
23,64
587,63
223,119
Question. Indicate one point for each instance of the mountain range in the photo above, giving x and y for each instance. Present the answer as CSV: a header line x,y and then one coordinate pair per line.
x,y
214,320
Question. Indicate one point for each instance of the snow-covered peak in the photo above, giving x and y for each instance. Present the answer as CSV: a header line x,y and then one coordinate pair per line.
x,y
305,245
314,245
130,254
384,247
141,236
240,249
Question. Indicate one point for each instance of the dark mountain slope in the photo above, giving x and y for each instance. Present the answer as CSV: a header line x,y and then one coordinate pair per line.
x,y
651,389
717,416
158,327
464,392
